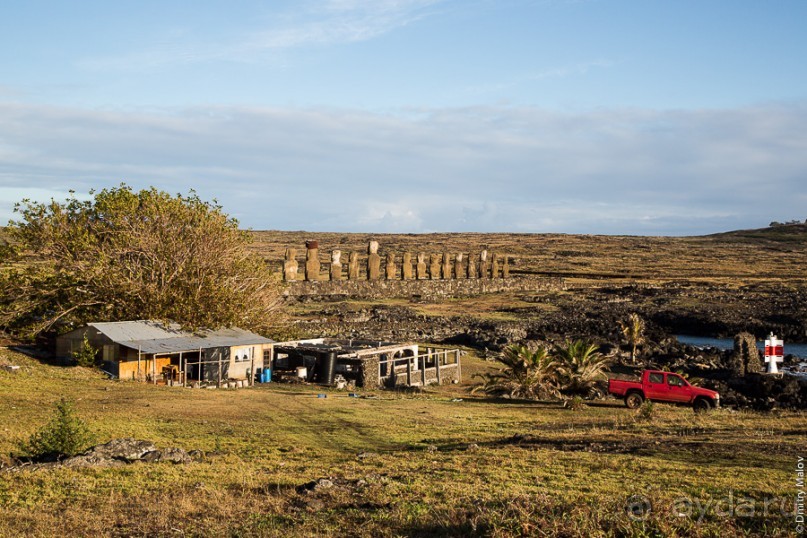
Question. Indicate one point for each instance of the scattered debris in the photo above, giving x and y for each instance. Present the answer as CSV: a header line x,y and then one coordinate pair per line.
x,y
120,452
315,485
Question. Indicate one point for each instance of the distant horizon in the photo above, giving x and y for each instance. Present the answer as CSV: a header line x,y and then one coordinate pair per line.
x,y
313,233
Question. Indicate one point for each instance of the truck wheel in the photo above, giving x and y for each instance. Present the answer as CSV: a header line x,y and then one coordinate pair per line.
x,y
634,400
701,405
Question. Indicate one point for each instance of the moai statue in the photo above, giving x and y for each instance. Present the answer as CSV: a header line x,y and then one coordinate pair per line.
x,y
484,269
336,265
494,265
446,266
506,267
406,266
373,261
745,358
290,265
311,260
390,268
458,272
434,266
472,273
421,268
353,266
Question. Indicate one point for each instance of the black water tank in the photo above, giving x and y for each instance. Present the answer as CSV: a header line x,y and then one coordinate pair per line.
x,y
326,368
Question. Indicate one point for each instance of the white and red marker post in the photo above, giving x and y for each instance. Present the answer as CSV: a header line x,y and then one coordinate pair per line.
x,y
774,353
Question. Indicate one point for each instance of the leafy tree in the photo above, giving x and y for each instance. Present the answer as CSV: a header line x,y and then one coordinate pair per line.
x,y
527,374
581,368
132,255
633,330
64,435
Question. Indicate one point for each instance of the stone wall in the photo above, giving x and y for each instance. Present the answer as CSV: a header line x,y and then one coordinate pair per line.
x,y
416,289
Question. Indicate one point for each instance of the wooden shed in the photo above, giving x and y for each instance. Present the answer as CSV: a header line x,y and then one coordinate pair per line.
x,y
164,353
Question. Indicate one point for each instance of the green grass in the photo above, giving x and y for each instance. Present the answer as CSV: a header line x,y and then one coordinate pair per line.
x,y
433,465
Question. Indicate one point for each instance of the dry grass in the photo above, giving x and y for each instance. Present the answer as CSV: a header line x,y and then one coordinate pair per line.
x,y
735,258
431,465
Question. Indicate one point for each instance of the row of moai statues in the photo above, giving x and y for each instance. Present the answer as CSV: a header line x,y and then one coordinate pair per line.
x,y
439,266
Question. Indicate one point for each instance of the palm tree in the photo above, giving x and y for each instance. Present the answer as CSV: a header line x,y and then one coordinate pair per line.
x,y
581,368
527,374
633,330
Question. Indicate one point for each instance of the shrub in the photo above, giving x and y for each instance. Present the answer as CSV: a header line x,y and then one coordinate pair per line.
x,y
632,329
581,368
86,355
527,374
576,404
647,410
65,435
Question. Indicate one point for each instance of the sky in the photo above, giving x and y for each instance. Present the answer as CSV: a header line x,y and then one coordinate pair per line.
x,y
640,117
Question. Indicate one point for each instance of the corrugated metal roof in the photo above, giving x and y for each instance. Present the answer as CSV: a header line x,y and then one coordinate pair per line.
x,y
152,337
125,331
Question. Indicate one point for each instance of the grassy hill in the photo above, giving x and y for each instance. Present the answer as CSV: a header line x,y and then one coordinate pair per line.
x,y
437,463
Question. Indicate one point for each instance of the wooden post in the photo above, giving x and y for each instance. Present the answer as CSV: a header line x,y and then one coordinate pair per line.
x,y
459,368
409,373
437,363
200,365
219,384
154,369
422,370
181,371
251,379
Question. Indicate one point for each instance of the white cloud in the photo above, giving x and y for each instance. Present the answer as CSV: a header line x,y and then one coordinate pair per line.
x,y
476,169
317,23
343,21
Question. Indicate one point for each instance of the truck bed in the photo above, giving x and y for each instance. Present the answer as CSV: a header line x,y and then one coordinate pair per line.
x,y
620,387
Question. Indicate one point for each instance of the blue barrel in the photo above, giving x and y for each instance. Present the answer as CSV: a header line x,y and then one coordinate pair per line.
x,y
266,375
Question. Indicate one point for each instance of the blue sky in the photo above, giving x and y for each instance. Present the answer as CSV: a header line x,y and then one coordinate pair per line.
x,y
600,116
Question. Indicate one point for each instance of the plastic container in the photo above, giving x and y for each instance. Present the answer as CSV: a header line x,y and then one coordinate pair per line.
x,y
326,368
302,372
266,375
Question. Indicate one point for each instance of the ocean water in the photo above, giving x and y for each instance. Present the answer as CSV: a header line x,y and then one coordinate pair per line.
x,y
799,350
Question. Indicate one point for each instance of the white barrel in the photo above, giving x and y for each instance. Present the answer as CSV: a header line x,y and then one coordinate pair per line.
x,y
302,372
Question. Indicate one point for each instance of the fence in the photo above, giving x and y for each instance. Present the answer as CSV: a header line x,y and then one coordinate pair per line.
x,y
434,366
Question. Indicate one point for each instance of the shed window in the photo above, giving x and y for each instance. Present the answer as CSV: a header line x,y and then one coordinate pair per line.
x,y
243,355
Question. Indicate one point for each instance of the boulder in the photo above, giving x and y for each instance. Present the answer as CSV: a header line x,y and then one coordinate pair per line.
x,y
175,455
126,449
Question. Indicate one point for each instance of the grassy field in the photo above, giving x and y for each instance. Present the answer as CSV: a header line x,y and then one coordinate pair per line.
x,y
435,463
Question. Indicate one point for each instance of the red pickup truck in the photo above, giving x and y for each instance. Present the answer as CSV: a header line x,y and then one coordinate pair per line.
x,y
659,386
